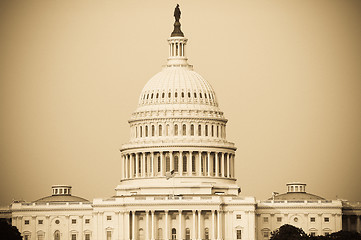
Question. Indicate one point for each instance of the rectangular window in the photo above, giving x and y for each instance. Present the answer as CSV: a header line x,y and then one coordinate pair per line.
x,y
26,222
265,219
266,234
87,220
109,235
313,234
312,219
40,221
26,237
109,218
73,237
239,234
87,236
279,219
238,216
327,219
73,221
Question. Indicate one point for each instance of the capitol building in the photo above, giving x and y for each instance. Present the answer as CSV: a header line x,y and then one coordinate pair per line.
x,y
177,177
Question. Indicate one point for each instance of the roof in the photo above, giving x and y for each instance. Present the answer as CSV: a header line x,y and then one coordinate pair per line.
x,y
62,198
297,196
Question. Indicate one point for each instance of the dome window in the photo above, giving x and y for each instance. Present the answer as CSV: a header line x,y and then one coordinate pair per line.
x,y
192,130
148,96
157,95
205,95
206,130
160,130
176,94
184,164
153,130
151,97
189,95
169,94
146,131
182,94
167,130
176,163
184,129
199,130
163,95
200,95
175,130
195,95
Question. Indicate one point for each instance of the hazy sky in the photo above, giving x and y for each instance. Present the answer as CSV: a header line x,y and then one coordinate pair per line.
x,y
287,75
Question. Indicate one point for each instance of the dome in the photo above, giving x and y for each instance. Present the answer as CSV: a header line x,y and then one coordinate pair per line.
x,y
297,196
62,198
178,85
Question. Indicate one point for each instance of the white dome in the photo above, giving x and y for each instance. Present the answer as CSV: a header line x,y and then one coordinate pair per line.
x,y
177,85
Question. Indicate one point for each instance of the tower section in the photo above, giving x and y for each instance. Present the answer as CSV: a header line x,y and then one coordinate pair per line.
x,y
178,143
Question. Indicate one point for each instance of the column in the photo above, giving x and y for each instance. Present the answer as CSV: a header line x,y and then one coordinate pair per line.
x,y
209,164
136,164
180,225
189,170
146,224
348,222
126,166
228,164
194,225
233,165
161,164
120,224
219,228
222,165
152,229
131,163
133,225
180,163
199,163
166,225
126,219
213,236
358,223
216,162
171,161
199,225
81,227
67,217
152,160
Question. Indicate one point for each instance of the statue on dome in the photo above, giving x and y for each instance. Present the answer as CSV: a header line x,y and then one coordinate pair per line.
x,y
177,13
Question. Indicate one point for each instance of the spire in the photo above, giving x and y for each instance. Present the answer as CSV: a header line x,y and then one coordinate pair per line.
x,y
177,32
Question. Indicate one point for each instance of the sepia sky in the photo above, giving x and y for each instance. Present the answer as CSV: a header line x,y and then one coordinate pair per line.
x,y
287,75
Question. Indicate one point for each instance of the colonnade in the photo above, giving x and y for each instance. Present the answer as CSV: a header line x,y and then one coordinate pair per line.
x,y
353,223
184,163
175,224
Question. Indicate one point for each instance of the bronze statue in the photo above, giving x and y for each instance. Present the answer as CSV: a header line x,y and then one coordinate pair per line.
x,y
177,13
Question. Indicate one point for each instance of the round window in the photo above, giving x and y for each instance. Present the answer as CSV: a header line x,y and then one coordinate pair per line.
x,y
295,219
57,221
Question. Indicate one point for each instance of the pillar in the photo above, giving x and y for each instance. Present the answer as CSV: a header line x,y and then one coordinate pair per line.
x,y
209,164
222,165
126,166
171,161
194,225
189,170
228,164
152,229
166,225
213,226
219,226
133,225
199,163
217,165
358,223
146,224
199,225
136,164
180,225
180,163
131,163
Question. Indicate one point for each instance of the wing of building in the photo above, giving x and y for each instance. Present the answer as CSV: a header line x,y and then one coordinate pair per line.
x,y
177,177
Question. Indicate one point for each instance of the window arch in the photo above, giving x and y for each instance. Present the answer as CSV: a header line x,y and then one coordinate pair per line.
x,y
176,163
174,233
175,129
184,163
184,130
160,130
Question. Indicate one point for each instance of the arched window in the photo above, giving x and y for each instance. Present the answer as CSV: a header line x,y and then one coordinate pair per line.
x,y
146,131
206,130
160,129
182,94
41,235
174,233
214,164
202,163
153,130
217,131
189,95
212,130
167,164
192,130
176,163
206,233
162,95
176,94
151,96
200,95
160,233
193,164
159,164
184,129
175,130
167,130
195,95
140,131
136,132
188,234
148,96
184,163
199,130
57,235
140,164
157,95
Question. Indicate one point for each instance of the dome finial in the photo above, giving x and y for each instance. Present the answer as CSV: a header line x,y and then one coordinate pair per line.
x,y
177,32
